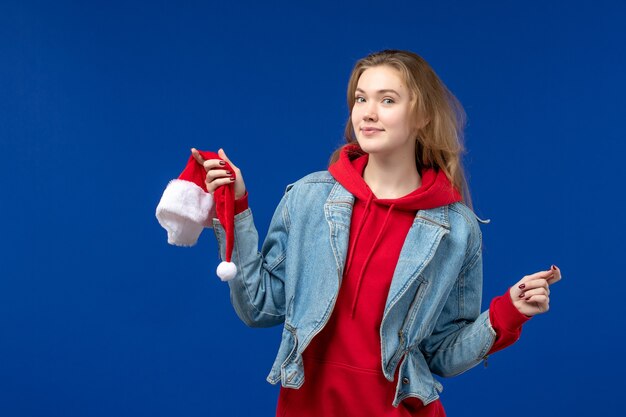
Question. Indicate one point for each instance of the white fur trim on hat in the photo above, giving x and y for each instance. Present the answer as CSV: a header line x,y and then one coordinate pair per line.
x,y
184,210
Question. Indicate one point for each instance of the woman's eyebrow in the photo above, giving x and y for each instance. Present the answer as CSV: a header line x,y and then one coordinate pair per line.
x,y
384,91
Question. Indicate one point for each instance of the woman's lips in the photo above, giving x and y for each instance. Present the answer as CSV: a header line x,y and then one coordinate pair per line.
x,y
369,131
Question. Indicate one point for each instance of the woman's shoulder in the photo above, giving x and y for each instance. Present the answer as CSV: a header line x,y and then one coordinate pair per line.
x,y
310,190
320,177
466,224
463,213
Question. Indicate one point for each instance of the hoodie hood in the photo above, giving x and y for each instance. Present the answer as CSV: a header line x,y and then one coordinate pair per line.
x,y
375,221
436,189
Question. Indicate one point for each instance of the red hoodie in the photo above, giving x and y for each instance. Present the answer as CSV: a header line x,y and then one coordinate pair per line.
x,y
343,373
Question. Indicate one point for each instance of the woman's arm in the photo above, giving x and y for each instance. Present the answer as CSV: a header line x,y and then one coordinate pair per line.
x,y
257,291
463,337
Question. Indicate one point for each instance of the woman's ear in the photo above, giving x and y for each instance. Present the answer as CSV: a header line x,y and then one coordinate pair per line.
x,y
423,121
420,124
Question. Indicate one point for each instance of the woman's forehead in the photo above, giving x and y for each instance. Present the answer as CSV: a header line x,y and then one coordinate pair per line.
x,y
381,78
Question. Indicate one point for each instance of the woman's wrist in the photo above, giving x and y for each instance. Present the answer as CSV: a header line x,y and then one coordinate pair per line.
x,y
241,204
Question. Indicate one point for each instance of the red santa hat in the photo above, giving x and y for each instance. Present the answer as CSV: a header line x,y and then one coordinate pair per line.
x,y
186,208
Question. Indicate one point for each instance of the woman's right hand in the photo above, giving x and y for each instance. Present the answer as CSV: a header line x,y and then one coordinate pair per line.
x,y
217,175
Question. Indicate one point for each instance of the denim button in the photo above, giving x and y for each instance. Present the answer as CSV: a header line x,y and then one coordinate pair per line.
x,y
405,381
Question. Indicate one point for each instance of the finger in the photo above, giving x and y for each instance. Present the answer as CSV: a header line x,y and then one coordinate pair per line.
x,y
527,283
541,301
530,293
535,283
556,274
525,293
213,174
196,155
222,155
539,298
210,164
214,185
537,275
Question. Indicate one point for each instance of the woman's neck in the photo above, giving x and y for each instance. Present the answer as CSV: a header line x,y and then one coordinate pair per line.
x,y
390,179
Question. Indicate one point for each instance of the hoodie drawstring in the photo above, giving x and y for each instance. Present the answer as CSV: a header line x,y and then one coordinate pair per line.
x,y
369,256
358,232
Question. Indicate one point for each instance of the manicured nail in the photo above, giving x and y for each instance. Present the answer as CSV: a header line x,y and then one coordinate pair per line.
x,y
521,295
553,268
232,179
222,163
522,286
228,172
527,298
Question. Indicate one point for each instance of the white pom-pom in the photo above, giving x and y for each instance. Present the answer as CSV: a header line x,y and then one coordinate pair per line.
x,y
226,271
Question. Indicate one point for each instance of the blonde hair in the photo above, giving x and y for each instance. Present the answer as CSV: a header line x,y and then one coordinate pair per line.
x,y
440,139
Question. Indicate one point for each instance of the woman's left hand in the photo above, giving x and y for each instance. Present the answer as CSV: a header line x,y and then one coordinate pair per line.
x,y
531,295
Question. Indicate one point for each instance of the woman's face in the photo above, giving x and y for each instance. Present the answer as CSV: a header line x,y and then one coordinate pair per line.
x,y
381,113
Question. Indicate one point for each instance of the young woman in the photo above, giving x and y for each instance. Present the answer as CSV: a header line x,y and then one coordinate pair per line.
x,y
374,266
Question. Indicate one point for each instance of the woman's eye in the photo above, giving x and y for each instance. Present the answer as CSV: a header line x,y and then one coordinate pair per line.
x,y
359,99
388,101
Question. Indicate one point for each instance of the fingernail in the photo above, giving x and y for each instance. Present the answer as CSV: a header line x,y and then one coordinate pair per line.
x,y
521,295
232,179
553,268
522,286
527,298
222,163
228,172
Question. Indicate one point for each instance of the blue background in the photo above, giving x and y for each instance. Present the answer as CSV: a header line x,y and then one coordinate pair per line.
x,y
100,102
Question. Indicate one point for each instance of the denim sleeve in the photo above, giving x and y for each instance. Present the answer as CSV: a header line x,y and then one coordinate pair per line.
x,y
462,335
258,290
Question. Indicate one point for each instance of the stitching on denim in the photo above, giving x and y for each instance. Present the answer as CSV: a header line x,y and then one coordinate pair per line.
x,y
471,221
318,180
434,393
250,298
402,291
419,296
461,297
425,401
243,215
427,260
279,260
285,213
471,335
472,261
286,218
331,232
470,364
291,355
428,219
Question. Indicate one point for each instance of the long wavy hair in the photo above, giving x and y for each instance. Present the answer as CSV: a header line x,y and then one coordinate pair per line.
x,y
440,140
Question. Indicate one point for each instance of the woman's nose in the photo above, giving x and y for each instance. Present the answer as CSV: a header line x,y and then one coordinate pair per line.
x,y
370,114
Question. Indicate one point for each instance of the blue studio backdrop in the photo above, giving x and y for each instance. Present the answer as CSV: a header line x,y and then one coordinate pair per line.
x,y
100,102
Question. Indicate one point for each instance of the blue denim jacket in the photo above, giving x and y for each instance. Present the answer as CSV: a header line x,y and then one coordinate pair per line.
x,y
432,322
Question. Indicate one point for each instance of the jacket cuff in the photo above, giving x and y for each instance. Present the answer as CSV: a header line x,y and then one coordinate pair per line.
x,y
241,204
